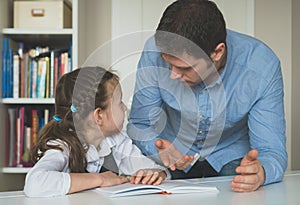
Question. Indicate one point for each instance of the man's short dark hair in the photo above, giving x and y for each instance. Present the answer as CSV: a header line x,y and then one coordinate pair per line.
x,y
197,21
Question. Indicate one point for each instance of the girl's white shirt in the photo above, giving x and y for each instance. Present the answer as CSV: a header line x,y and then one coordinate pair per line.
x,y
50,176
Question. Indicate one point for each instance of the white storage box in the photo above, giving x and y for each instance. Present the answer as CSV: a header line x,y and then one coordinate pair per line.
x,y
50,14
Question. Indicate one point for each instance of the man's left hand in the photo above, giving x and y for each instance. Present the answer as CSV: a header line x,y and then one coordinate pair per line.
x,y
252,174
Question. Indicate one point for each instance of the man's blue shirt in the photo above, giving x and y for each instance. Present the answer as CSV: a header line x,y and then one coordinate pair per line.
x,y
242,110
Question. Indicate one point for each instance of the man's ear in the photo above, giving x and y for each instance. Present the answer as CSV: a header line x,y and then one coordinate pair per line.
x,y
98,116
219,52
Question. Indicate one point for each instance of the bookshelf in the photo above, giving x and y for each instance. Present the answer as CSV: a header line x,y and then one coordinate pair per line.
x,y
12,178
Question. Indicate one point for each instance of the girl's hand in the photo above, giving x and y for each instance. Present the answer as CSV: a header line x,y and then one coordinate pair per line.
x,y
148,176
84,181
109,179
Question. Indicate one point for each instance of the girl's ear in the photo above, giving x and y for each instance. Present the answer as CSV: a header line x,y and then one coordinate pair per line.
x,y
98,116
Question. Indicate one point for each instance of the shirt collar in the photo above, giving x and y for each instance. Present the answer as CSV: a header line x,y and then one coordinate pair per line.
x,y
105,149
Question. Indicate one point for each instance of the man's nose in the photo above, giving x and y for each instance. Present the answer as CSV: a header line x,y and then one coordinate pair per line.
x,y
175,74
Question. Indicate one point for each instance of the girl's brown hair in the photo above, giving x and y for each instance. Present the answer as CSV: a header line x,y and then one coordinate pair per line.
x,y
86,89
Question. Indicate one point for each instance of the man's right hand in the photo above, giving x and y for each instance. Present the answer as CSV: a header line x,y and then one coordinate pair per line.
x,y
171,157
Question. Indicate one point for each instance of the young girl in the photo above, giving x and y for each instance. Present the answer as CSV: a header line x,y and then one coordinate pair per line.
x,y
76,149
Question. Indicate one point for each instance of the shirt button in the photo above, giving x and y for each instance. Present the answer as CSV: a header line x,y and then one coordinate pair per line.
x,y
201,140
200,132
200,116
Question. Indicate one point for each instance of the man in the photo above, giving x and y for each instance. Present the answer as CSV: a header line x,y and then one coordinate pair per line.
x,y
209,101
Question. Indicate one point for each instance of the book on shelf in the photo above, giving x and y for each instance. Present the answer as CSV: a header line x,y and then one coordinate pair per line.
x,y
41,78
20,135
24,123
166,187
46,116
16,74
51,71
9,48
32,72
12,136
25,63
33,79
35,126
22,75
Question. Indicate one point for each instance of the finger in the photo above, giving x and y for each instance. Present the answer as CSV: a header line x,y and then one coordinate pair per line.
x,y
172,167
132,179
241,187
123,179
181,162
159,143
162,144
165,158
250,157
153,178
171,159
158,181
248,169
139,176
163,153
147,176
184,162
246,179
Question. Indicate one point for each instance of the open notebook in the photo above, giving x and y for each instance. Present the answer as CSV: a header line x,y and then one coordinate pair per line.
x,y
167,187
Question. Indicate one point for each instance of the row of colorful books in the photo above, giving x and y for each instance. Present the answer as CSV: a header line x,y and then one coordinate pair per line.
x,y
23,125
32,73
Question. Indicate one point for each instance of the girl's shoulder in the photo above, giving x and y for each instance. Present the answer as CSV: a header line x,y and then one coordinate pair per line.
x,y
59,143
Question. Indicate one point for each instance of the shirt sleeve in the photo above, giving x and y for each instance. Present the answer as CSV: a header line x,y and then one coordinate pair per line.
x,y
49,176
131,158
267,126
147,102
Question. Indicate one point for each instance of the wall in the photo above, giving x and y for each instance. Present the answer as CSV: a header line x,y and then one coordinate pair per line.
x,y
119,36
273,26
132,25
238,14
94,26
295,162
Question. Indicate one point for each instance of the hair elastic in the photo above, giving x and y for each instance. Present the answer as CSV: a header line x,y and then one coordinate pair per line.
x,y
73,109
55,118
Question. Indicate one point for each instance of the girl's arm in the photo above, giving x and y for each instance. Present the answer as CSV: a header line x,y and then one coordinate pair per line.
x,y
50,177
132,162
84,181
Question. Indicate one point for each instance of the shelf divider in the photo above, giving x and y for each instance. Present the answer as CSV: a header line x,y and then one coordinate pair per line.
x,y
15,170
22,31
28,101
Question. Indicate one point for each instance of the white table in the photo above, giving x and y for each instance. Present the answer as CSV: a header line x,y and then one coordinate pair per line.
x,y
283,193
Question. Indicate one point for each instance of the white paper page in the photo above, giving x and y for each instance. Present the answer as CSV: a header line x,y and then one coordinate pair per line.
x,y
169,186
129,189
182,187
